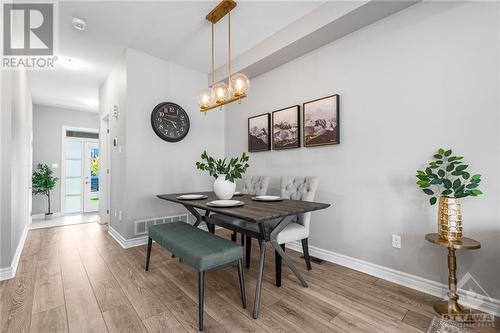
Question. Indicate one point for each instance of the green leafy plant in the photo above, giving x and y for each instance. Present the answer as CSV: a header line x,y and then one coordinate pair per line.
x,y
43,181
448,176
233,169
94,166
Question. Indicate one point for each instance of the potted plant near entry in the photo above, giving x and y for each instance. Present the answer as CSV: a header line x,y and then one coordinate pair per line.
x,y
43,181
225,172
447,177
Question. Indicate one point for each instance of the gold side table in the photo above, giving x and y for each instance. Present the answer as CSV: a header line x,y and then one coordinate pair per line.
x,y
452,307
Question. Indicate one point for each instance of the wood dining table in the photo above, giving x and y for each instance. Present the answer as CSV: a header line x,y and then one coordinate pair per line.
x,y
280,212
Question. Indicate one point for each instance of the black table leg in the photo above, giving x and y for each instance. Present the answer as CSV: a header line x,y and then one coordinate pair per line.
x,y
260,273
277,264
195,213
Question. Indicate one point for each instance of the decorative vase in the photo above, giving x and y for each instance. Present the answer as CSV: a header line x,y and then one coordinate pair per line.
x,y
450,219
224,189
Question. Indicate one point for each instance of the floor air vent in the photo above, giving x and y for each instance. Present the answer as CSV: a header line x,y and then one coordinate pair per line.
x,y
142,226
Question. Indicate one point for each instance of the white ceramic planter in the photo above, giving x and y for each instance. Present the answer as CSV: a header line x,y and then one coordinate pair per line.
x,y
224,189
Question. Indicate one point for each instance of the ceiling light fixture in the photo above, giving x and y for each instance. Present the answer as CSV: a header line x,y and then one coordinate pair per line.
x,y
70,63
221,93
79,24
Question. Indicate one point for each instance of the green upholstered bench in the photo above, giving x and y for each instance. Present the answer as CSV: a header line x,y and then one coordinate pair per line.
x,y
199,249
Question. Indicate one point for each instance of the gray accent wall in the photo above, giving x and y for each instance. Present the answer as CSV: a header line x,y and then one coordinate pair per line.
x,y
48,122
424,78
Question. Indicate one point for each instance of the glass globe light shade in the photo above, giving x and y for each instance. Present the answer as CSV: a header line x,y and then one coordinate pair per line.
x,y
221,92
205,98
239,84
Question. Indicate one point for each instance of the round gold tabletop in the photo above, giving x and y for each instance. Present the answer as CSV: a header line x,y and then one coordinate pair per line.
x,y
465,243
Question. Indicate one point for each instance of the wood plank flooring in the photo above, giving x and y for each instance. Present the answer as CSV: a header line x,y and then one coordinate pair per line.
x,y
78,279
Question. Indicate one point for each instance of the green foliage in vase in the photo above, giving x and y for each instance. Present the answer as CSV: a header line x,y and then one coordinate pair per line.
x,y
233,169
447,176
43,181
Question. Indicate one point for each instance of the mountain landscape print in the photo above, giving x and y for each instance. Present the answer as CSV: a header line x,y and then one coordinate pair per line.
x,y
258,133
321,121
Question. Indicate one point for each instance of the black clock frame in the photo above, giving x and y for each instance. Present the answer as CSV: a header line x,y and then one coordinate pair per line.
x,y
157,131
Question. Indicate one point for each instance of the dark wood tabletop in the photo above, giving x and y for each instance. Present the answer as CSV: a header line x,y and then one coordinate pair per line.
x,y
254,211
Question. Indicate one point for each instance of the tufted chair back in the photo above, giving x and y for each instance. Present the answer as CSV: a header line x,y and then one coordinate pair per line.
x,y
255,185
300,188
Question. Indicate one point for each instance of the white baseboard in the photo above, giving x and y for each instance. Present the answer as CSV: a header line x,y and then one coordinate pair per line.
x,y
42,216
127,243
467,298
137,241
9,272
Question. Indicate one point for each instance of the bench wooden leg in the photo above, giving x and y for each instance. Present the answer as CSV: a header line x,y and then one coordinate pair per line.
x,y
305,249
201,298
233,236
242,284
248,250
242,240
148,256
277,265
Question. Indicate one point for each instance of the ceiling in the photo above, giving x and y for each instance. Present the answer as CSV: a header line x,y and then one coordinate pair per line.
x,y
172,30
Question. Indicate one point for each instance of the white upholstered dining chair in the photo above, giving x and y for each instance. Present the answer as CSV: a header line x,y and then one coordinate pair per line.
x,y
298,188
295,188
253,185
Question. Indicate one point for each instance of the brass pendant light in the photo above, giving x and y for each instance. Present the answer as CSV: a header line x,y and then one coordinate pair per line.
x,y
221,93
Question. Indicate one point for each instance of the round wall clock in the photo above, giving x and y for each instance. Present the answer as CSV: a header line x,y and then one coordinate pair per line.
x,y
170,122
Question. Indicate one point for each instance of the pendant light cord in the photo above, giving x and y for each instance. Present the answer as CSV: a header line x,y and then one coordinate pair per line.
x,y
213,61
229,47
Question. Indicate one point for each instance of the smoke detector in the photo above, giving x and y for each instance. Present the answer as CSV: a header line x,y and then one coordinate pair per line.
x,y
79,24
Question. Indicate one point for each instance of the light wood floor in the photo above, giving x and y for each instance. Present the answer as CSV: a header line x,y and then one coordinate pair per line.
x,y
78,279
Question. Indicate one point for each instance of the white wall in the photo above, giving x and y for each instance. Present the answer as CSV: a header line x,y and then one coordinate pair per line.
x,y
113,92
15,176
48,122
424,78
147,165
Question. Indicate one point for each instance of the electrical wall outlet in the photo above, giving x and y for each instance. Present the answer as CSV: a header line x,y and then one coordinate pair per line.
x,y
116,212
396,241
119,215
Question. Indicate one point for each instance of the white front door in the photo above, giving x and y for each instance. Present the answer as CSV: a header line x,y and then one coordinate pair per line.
x,y
91,177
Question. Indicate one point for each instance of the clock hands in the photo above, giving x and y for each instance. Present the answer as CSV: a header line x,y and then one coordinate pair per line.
x,y
173,123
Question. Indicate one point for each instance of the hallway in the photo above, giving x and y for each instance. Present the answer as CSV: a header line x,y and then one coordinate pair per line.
x,y
69,219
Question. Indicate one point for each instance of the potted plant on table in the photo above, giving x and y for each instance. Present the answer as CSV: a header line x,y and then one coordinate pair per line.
x,y
447,177
225,172
43,182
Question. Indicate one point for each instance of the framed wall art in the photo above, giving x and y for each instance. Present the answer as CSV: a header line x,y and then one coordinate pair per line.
x,y
259,133
321,121
286,128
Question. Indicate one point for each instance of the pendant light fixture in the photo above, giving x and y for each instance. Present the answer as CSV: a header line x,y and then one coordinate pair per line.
x,y
221,93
